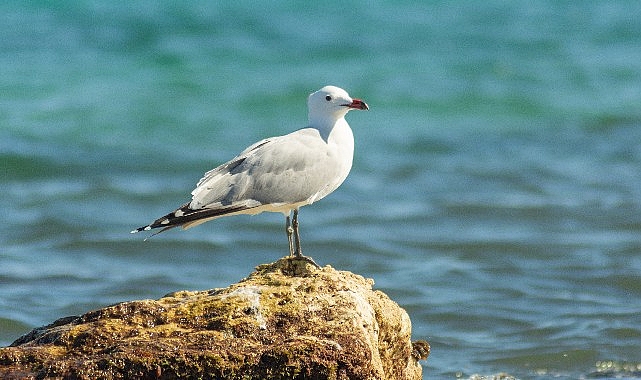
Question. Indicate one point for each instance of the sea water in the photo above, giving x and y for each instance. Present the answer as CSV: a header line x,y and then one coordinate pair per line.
x,y
496,187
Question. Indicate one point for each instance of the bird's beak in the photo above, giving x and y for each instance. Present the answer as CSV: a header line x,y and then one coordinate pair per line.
x,y
357,104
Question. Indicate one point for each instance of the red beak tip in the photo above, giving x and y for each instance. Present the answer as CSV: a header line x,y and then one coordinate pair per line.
x,y
359,104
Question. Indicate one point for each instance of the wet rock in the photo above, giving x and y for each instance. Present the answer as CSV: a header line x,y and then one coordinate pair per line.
x,y
287,320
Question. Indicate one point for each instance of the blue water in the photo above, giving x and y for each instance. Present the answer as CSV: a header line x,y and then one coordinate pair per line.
x,y
496,187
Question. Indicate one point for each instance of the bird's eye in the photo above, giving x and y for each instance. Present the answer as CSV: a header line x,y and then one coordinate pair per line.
x,y
328,98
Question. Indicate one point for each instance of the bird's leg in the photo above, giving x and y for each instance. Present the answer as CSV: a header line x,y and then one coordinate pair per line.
x,y
290,231
293,236
298,252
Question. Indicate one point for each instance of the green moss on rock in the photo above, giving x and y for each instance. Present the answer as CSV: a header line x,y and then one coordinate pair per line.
x,y
287,320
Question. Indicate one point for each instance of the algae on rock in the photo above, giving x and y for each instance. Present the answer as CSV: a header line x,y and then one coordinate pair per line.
x,y
287,320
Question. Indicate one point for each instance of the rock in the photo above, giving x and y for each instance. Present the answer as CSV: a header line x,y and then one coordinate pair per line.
x,y
287,320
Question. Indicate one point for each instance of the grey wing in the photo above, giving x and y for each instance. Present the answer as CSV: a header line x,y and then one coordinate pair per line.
x,y
229,165
288,169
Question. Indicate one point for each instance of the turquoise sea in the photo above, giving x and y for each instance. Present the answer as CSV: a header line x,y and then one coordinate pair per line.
x,y
496,187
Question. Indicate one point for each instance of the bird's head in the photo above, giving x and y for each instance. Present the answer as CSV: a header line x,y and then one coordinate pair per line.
x,y
333,103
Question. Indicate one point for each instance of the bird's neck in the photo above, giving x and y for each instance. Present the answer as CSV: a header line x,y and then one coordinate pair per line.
x,y
326,126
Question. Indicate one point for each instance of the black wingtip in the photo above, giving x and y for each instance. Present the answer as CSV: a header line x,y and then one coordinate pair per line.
x,y
184,215
143,228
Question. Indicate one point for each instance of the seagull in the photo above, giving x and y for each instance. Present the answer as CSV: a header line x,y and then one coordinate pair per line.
x,y
278,174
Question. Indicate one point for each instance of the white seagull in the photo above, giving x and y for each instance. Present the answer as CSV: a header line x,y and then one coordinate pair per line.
x,y
278,174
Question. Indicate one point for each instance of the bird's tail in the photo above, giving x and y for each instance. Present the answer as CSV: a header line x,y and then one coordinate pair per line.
x,y
186,217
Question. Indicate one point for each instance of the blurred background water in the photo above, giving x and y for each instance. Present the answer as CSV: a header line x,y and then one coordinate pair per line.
x,y
496,187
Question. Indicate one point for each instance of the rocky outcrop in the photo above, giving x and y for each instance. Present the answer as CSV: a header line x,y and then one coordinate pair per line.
x,y
287,320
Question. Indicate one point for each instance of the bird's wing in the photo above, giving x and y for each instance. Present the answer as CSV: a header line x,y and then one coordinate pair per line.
x,y
287,169
231,164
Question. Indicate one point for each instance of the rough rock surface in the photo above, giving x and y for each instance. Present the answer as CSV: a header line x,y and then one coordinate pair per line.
x,y
287,320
